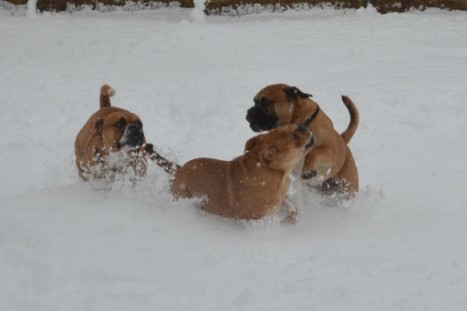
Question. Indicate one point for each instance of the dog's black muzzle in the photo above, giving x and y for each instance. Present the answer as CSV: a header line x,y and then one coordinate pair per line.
x,y
134,135
260,120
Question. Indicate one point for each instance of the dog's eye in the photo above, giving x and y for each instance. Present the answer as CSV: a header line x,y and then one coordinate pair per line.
x,y
120,124
264,102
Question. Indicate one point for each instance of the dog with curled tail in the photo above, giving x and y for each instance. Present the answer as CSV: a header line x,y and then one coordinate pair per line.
x,y
111,141
250,186
330,165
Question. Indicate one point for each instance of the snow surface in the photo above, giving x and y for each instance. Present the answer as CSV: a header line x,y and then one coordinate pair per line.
x,y
400,245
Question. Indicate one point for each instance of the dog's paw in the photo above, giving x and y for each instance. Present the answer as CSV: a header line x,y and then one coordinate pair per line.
x,y
309,175
291,217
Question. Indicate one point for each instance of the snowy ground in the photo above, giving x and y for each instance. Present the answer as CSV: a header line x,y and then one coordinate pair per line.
x,y
399,246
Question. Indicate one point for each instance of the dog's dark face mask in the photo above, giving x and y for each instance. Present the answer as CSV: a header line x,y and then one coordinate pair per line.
x,y
133,135
130,132
262,116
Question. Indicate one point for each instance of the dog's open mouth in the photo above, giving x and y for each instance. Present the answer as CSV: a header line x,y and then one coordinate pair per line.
x,y
128,147
131,142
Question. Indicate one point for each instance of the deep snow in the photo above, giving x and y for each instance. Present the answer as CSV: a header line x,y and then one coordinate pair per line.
x,y
398,246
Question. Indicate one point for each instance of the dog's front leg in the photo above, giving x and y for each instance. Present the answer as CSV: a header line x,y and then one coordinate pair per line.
x,y
320,165
290,210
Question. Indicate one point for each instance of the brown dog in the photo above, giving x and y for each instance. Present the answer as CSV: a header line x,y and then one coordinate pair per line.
x,y
330,164
110,142
251,186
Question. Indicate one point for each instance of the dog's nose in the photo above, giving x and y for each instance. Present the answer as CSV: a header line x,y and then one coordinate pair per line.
x,y
134,127
249,113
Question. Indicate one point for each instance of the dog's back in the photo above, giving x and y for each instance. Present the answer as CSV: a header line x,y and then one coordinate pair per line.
x,y
198,177
227,189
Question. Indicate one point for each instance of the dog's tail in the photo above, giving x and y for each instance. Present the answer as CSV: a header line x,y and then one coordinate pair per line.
x,y
106,92
168,166
354,119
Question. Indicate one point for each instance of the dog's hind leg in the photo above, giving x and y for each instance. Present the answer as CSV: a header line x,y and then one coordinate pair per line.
x,y
348,177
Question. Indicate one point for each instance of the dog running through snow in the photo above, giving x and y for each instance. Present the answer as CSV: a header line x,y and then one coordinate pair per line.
x,y
252,185
112,141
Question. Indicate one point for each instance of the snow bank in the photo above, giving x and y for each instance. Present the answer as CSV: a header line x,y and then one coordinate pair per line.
x,y
65,246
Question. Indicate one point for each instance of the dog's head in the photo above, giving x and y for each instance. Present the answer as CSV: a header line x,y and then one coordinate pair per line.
x,y
274,106
120,130
283,147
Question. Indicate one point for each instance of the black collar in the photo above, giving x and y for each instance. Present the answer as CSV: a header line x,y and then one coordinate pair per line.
x,y
312,117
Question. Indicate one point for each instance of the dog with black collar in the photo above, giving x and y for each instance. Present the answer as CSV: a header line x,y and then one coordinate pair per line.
x,y
329,166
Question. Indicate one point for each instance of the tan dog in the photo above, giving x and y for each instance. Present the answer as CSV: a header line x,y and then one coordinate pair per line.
x,y
330,164
110,142
251,186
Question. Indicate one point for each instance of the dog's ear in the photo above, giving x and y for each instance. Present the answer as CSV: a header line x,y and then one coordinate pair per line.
x,y
294,93
99,127
268,154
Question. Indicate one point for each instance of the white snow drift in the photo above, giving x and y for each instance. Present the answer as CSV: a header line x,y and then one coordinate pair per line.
x,y
398,246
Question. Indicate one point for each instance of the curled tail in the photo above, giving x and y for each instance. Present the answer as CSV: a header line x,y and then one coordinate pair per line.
x,y
354,119
106,92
